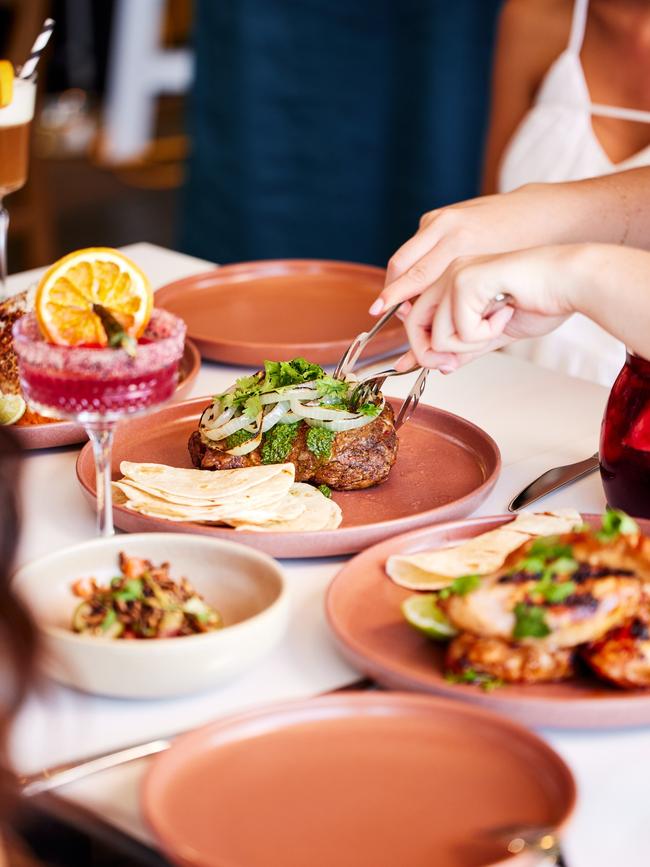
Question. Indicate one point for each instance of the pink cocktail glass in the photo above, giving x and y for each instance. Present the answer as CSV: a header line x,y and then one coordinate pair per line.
x,y
98,387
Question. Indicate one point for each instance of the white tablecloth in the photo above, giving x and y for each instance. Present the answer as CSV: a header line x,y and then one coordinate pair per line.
x,y
539,419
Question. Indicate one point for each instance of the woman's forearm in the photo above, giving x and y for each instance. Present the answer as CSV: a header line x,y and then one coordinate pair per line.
x,y
611,285
613,209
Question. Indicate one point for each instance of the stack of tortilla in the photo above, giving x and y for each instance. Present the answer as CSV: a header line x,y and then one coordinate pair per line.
x,y
263,498
433,570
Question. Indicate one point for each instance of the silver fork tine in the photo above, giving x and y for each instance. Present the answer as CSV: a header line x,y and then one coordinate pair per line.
x,y
354,350
412,399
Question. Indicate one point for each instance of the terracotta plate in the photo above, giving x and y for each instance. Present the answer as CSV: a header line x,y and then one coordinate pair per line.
x,y
363,608
65,433
245,313
446,466
354,780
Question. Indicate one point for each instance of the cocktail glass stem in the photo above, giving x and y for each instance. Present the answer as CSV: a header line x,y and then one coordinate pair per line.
x,y
101,436
4,232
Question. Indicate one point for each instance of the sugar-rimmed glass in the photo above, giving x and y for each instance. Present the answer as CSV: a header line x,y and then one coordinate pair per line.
x,y
98,387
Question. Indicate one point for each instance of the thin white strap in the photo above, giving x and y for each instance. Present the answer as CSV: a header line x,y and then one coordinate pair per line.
x,y
578,25
622,113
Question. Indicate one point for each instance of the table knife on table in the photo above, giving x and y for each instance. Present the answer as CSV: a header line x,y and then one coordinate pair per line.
x,y
551,480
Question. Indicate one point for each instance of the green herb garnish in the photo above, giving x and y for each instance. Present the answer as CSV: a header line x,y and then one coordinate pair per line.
x,y
460,586
131,590
238,439
109,620
277,443
319,442
530,621
615,523
370,409
336,389
325,491
486,681
115,332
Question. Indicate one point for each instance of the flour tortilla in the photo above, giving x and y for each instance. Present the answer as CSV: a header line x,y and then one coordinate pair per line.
x,y
256,497
284,508
433,570
319,513
208,486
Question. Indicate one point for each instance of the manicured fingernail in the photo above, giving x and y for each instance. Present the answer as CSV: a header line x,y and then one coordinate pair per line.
x,y
401,362
377,307
446,368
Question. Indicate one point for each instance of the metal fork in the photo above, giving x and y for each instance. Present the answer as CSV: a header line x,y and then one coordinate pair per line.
x,y
354,350
369,388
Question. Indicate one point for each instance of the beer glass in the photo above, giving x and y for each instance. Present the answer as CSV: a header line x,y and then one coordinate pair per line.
x,y
15,122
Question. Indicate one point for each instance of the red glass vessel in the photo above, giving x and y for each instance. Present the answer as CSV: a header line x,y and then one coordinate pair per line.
x,y
625,440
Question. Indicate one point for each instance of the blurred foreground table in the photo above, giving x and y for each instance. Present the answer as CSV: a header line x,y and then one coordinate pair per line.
x,y
539,419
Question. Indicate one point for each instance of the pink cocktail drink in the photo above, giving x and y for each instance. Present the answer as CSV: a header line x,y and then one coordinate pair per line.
x,y
99,386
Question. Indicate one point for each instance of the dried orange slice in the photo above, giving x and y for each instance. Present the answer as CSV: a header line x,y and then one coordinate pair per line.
x,y
70,289
6,83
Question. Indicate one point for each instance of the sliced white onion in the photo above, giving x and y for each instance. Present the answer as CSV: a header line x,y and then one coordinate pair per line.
x,y
208,420
274,416
290,418
319,412
241,422
249,445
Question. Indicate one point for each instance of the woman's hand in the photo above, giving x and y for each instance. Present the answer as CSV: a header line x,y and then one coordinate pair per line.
x,y
610,209
447,325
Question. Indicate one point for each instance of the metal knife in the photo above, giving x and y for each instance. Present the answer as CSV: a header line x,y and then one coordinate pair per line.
x,y
553,479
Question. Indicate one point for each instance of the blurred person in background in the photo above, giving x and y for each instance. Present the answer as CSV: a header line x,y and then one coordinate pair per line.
x,y
17,648
570,101
323,128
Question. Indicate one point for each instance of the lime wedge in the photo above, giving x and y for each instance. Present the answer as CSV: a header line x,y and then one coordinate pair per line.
x,y
422,612
12,407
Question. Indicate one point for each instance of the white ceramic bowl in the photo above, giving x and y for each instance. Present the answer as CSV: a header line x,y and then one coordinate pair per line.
x,y
246,586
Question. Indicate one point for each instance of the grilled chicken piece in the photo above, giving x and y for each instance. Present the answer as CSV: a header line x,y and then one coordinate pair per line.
x,y
359,459
607,593
623,655
510,662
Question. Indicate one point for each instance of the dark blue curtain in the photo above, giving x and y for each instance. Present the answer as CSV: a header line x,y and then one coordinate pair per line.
x,y
324,128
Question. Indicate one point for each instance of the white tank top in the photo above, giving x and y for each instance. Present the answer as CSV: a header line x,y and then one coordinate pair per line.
x,y
555,141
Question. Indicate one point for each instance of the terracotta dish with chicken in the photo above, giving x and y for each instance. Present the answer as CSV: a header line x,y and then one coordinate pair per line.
x,y
557,603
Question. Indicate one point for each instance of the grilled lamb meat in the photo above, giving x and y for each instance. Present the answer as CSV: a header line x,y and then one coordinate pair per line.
x,y
359,458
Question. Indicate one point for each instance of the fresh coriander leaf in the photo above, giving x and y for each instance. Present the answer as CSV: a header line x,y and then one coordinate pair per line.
x,y
370,409
530,621
327,386
464,584
615,523
549,548
253,406
534,565
325,491
563,566
556,593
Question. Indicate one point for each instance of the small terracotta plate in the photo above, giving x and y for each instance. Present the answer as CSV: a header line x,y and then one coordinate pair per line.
x,y
445,468
354,780
245,313
66,433
363,608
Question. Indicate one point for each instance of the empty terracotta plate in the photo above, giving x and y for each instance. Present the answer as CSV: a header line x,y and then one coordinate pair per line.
x,y
446,466
65,433
245,313
363,608
354,780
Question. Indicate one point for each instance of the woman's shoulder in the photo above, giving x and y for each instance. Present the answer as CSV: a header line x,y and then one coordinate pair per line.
x,y
537,31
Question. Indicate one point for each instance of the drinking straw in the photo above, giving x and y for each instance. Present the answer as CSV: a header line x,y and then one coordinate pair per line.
x,y
29,66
